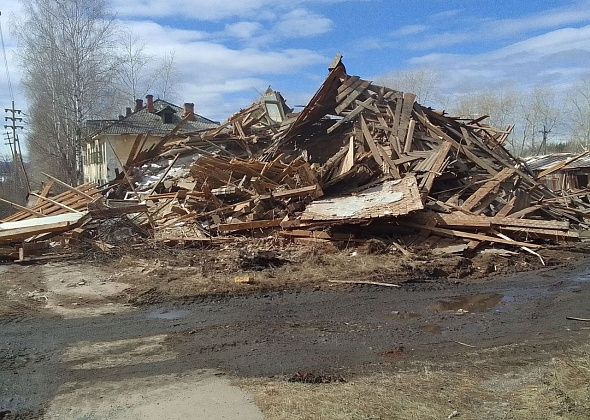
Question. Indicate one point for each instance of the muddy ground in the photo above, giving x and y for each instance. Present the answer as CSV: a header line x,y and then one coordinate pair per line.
x,y
470,337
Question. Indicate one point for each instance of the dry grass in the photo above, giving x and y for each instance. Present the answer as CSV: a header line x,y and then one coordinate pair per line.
x,y
554,389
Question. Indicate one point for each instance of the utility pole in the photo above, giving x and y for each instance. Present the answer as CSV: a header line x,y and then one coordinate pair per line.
x,y
543,146
9,144
15,147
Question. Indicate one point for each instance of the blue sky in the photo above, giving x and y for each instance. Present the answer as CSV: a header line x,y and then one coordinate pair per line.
x,y
227,51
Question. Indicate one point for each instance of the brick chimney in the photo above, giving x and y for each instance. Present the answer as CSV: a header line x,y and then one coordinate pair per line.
x,y
189,108
128,111
150,103
138,104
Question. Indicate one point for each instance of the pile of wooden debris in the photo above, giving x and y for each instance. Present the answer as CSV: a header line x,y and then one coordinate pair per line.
x,y
359,161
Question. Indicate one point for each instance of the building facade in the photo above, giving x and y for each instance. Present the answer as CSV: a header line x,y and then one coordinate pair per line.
x,y
109,142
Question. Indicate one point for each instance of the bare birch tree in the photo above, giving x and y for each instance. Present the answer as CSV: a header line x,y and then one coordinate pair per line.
x,y
501,106
67,61
139,73
578,110
421,82
134,72
166,78
539,112
10,187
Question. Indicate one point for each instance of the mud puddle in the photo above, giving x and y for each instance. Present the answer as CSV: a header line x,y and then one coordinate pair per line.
x,y
434,329
166,314
472,303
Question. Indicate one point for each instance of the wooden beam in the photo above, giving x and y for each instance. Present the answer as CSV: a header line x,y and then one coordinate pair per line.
x,y
23,229
23,208
163,175
352,114
69,187
255,224
436,168
45,191
57,203
487,188
371,142
409,136
474,236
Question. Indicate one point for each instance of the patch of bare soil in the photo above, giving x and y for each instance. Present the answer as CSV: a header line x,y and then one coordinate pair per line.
x,y
18,292
110,283
67,289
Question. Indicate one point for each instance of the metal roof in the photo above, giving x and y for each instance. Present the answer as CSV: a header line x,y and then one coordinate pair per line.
x,y
143,121
542,162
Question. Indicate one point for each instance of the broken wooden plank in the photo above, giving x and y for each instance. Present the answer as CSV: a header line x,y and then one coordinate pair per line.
x,y
14,231
560,165
487,188
475,236
407,107
369,139
255,224
23,208
409,136
389,199
57,203
435,170
69,187
350,116
372,283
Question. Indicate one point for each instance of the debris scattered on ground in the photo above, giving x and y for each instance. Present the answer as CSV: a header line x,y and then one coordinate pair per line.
x,y
359,162
315,378
372,283
573,318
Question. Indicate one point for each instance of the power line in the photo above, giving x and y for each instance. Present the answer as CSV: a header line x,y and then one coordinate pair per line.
x,y
6,60
16,149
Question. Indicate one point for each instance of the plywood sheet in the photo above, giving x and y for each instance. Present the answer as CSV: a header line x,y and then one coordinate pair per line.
x,y
391,198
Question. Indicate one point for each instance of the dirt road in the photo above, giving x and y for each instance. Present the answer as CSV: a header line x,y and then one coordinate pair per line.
x,y
49,364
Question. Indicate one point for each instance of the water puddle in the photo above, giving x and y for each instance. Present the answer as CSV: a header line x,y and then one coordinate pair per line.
x,y
431,328
582,278
167,314
472,303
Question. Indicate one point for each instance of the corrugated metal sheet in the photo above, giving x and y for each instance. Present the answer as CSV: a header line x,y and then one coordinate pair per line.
x,y
542,162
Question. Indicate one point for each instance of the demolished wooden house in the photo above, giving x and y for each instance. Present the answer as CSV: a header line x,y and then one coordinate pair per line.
x,y
359,161
562,172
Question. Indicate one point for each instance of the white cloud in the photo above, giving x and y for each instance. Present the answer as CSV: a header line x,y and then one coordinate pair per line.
x,y
556,58
445,14
409,30
243,30
297,23
11,12
210,10
302,23
153,33
215,76
483,29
